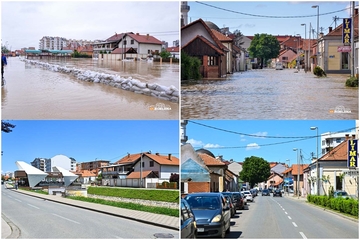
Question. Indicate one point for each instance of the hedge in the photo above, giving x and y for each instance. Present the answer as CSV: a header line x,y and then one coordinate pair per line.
x,y
344,205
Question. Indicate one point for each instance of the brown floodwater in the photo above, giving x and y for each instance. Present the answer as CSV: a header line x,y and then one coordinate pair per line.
x,y
270,94
32,92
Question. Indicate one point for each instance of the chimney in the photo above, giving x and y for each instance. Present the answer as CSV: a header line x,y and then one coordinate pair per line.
x,y
169,156
356,11
157,154
147,36
137,34
353,136
128,155
330,29
346,137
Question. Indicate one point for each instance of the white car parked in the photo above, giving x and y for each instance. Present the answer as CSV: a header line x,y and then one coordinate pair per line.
x,y
248,195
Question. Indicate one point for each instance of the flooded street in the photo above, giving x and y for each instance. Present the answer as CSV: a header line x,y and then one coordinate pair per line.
x,y
32,92
270,94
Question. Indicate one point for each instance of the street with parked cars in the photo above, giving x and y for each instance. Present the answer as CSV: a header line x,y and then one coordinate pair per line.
x,y
282,215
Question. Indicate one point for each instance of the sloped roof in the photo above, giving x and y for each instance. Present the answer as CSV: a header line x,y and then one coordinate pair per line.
x,y
210,161
295,168
172,49
218,43
121,50
207,42
145,38
116,37
221,36
337,153
130,158
136,175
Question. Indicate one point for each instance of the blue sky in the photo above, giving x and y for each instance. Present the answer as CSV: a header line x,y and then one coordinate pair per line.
x,y
250,25
87,140
200,136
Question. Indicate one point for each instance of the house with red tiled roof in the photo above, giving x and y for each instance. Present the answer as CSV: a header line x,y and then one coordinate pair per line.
x,y
334,54
197,40
174,51
141,46
150,169
228,43
333,171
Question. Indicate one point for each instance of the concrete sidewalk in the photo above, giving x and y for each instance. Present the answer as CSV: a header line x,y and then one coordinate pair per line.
x,y
139,216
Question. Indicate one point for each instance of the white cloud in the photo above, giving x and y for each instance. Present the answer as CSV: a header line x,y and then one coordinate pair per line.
x,y
210,145
197,143
260,134
252,146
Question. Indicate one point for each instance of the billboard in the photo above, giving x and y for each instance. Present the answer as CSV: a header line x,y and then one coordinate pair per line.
x,y
346,31
352,153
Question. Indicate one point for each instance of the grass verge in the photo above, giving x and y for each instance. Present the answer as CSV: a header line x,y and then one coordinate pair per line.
x,y
133,206
154,195
37,191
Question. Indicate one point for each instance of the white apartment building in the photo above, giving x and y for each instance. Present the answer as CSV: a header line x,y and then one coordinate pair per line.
x,y
39,163
52,43
330,140
60,161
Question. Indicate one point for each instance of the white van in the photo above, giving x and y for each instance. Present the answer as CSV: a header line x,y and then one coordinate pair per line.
x,y
279,66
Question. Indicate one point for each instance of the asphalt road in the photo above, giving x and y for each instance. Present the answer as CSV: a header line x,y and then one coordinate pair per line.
x,y
285,218
38,219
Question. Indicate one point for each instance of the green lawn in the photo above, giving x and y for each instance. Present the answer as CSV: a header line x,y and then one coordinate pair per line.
x,y
155,195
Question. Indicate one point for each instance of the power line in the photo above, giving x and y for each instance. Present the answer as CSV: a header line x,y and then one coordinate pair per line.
x,y
261,136
265,16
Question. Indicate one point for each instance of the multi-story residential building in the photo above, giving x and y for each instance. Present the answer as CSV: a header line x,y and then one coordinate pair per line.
x,y
39,163
52,43
60,161
331,140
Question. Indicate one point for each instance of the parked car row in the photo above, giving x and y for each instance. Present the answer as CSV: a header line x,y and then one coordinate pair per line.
x,y
208,214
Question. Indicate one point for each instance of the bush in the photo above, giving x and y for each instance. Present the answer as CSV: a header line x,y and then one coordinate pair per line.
x,y
190,67
318,71
344,205
352,82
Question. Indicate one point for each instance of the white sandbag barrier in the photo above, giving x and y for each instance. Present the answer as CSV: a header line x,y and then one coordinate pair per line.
x,y
151,89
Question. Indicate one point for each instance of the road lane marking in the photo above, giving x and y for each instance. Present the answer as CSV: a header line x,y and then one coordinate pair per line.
x,y
33,206
286,213
294,224
17,200
65,218
303,235
289,217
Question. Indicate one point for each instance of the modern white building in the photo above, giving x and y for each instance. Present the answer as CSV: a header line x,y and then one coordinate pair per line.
x,y
34,175
61,161
331,140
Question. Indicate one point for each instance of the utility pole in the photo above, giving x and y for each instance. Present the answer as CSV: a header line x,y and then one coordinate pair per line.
x,y
352,38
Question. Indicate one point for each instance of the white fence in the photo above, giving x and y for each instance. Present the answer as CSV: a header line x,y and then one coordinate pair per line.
x,y
134,183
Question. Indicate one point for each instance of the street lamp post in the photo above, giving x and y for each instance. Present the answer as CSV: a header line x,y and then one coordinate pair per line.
x,y
298,49
317,160
317,35
288,160
298,175
306,63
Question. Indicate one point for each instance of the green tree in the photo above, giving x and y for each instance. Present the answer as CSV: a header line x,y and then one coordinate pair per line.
x,y
255,170
190,67
264,46
165,54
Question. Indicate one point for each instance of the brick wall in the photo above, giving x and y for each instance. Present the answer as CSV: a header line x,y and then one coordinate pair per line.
x,y
198,187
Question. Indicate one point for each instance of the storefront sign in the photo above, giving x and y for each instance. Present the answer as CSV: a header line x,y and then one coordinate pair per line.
x,y
346,34
352,153
344,49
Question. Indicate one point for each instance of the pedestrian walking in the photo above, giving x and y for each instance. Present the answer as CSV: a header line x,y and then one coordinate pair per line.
x,y
3,64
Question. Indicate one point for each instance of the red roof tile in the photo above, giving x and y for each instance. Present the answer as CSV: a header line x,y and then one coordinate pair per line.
x,y
136,175
144,38
210,161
